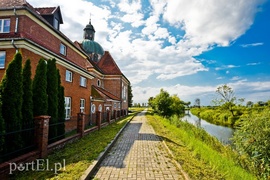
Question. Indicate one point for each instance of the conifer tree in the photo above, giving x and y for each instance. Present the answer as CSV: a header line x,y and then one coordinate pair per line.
x,y
40,98
11,97
27,103
61,109
2,132
52,91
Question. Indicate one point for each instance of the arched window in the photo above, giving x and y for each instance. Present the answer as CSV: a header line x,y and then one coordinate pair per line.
x,y
100,108
93,108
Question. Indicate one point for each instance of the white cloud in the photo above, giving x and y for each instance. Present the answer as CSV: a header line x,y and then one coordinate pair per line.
x,y
253,64
251,45
211,22
139,51
230,66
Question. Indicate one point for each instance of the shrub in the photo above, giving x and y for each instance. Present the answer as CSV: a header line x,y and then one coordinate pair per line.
x,y
252,142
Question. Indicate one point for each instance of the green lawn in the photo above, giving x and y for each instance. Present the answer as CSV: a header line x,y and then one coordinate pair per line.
x,y
199,154
76,156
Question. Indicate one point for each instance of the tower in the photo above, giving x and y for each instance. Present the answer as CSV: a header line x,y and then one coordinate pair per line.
x,y
89,31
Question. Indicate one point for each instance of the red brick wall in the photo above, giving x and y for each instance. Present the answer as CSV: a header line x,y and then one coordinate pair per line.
x,y
113,86
33,31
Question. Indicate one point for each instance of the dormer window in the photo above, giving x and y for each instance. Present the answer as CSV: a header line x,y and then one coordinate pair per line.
x,y
56,24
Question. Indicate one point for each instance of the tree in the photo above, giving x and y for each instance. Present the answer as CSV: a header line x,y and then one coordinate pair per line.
x,y
227,100
40,98
61,109
166,105
197,102
11,96
27,103
177,106
130,96
52,92
2,132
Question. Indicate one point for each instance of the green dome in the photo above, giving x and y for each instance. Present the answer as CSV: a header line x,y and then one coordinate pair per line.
x,y
90,47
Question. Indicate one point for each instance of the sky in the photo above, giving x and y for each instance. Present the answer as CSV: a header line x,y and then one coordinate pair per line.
x,y
186,47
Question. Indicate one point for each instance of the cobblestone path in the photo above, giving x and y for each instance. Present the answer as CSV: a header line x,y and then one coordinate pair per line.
x,y
138,154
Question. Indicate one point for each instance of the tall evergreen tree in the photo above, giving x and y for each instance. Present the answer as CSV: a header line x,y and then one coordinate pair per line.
x,y
11,96
61,109
2,132
27,103
52,91
130,96
40,98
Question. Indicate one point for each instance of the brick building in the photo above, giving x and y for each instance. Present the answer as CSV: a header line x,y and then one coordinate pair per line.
x,y
91,78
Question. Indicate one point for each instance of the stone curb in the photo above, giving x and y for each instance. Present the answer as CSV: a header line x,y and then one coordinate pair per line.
x,y
91,169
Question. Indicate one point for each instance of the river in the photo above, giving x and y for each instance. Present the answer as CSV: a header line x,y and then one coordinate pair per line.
x,y
223,134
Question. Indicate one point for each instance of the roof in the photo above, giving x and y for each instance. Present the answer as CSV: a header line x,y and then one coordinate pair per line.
x,y
106,93
44,11
91,46
108,65
12,3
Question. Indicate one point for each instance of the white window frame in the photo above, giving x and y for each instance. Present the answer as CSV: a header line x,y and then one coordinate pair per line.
x,y
2,59
82,105
83,81
63,49
93,108
100,108
69,76
2,25
67,107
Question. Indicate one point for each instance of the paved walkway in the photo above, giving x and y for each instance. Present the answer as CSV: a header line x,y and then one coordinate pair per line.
x,y
138,154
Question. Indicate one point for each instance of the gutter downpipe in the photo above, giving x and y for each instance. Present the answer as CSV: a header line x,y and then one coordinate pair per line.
x,y
16,29
13,44
17,20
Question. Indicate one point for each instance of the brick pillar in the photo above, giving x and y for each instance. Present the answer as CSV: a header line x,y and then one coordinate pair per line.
x,y
114,115
108,116
99,119
42,134
80,123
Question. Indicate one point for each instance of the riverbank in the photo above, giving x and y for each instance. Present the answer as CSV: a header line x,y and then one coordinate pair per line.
x,y
200,155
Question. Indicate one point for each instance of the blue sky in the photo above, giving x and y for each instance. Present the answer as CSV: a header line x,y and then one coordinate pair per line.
x,y
186,47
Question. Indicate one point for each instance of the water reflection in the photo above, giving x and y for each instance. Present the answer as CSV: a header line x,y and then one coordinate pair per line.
x,y
223,134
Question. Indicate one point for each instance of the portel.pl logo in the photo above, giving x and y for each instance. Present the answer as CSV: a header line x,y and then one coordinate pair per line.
x,y
38,165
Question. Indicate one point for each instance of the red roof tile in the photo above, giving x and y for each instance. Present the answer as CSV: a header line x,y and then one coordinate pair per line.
x,y
46,10
12,3
108,65
106,93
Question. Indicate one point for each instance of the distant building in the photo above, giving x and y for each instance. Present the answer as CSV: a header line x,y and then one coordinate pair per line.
x,y
91,78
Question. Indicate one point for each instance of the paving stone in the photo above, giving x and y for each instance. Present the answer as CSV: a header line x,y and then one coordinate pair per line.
x,y
138,154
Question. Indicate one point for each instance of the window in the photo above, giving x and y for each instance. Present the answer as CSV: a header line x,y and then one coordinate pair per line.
x,y
68,76
83,81
100,108
56,23
67,107
82,105
63,49
98,83
93,108
2,59
4,25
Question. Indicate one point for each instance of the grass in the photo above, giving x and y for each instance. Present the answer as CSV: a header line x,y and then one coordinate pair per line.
x,y
77,156
200,155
